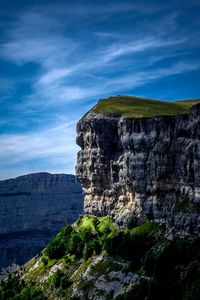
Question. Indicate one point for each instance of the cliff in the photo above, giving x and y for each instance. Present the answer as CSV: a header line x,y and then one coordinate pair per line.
x,y
141,165
33,208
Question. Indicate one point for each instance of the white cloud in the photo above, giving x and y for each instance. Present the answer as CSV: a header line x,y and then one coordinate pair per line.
x,y
55,145
54,74
141,78
36,37
138,46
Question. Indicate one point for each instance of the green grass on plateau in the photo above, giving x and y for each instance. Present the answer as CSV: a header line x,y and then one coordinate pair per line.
x,y
137,107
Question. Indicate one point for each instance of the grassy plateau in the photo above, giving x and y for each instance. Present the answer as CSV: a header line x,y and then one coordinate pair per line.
x,y
137,107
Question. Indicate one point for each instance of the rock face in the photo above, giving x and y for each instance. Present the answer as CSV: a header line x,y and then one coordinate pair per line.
x,y
142,169
33,208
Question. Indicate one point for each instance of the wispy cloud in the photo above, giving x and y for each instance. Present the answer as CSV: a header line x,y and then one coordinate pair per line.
x,y
138,46
39,38
55,74
91,10
142,78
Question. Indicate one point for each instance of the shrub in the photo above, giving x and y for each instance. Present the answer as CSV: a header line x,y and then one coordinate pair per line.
x,y
56,249
69,258
75,245
90,248
65,282
55,279
31,292
44,260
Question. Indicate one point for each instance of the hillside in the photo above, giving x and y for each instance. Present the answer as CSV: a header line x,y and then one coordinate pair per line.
x,y
96,259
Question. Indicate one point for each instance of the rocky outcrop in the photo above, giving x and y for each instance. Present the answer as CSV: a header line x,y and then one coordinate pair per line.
x,y
33,208
142,169
113,279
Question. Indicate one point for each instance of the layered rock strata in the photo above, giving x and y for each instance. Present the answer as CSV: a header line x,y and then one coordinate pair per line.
x,y
142,169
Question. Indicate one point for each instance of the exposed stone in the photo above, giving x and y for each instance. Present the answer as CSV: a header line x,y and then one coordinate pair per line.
x,y
93,283
142,169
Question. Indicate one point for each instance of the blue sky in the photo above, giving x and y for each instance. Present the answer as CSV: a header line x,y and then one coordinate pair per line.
x,y
57,58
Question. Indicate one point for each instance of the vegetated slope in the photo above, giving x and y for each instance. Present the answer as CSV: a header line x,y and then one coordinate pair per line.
x,y
96,259
138,107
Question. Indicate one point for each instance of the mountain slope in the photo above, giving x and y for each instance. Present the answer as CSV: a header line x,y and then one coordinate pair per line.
x,y
96,259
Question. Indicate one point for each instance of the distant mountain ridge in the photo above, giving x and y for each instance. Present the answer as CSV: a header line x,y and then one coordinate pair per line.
x,y
33,208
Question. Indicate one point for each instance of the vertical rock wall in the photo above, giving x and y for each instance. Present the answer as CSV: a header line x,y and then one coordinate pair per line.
x,y
142,169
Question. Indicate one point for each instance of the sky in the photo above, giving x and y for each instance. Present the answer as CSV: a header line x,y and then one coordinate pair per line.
x,y
58,58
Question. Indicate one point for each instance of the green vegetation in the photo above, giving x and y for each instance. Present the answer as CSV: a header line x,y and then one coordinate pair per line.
x,y
150,254
39,271
92,235
60,281
136,107
86,238
171,271
57,247
16,289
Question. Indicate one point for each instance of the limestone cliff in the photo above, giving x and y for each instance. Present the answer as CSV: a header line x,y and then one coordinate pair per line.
x,y
138,169
33,208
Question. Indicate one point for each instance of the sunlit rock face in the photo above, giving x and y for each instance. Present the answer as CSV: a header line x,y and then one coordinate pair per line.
x,y
142,169
33,208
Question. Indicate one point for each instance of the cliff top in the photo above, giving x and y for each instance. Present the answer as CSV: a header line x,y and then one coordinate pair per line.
x,y
137,107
